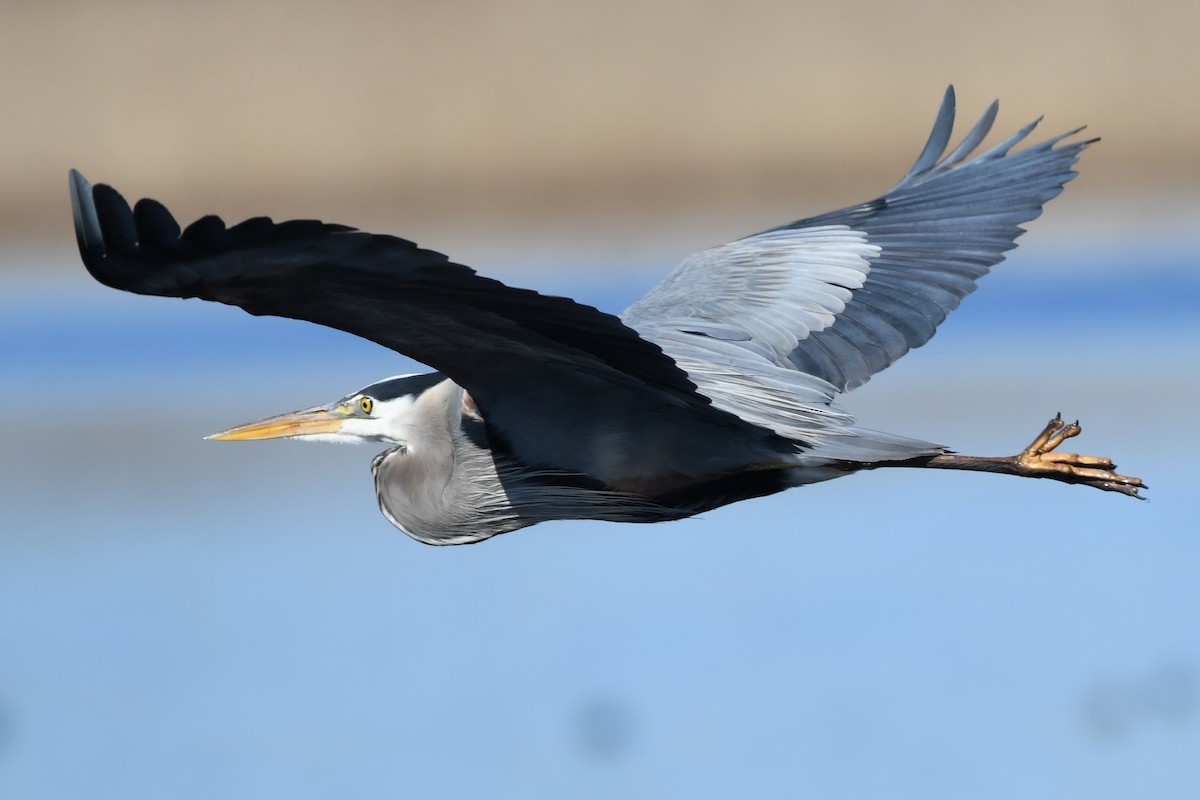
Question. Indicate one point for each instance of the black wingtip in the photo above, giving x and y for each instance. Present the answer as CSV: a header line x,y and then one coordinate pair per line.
x,y
107,233
87,222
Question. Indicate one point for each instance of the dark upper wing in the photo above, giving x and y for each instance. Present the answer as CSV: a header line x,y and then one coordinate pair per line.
x,y
568,386
841,296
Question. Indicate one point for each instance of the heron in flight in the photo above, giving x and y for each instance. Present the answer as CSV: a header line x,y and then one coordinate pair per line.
x,y
719,385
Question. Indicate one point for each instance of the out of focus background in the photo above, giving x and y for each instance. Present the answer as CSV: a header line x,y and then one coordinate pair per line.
x,y
194,619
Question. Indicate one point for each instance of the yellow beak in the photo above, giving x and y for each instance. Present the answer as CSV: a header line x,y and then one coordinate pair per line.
x,y
296,423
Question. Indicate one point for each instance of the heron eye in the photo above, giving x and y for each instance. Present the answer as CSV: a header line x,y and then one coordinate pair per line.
x,y
366,404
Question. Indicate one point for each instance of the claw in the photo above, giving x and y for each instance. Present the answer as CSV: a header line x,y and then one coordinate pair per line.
x,y
1038,445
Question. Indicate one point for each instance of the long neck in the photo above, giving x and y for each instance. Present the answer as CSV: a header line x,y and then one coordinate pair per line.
x,y
441,486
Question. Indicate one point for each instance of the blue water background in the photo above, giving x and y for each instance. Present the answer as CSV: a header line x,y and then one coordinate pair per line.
x,y
183,618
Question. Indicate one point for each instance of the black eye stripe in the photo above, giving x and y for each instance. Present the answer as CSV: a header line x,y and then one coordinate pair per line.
x,y
392,388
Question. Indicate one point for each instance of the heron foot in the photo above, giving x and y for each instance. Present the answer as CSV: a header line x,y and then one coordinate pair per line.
x,y
1041,459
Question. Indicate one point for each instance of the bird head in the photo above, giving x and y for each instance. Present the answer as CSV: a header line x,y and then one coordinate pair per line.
x,y
380,412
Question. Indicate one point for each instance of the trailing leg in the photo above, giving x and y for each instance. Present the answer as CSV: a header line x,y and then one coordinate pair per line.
x,y
1040,459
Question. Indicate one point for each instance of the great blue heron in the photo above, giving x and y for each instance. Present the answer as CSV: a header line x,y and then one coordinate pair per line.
x,y
717,386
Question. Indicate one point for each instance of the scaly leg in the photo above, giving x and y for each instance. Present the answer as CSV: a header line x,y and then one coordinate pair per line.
x,y
1041,459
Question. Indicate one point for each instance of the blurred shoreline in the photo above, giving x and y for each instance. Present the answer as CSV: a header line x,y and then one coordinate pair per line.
x,y
423,119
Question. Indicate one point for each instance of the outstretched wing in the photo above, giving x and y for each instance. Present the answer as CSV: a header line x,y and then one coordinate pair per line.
x,y
565,385
841,296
